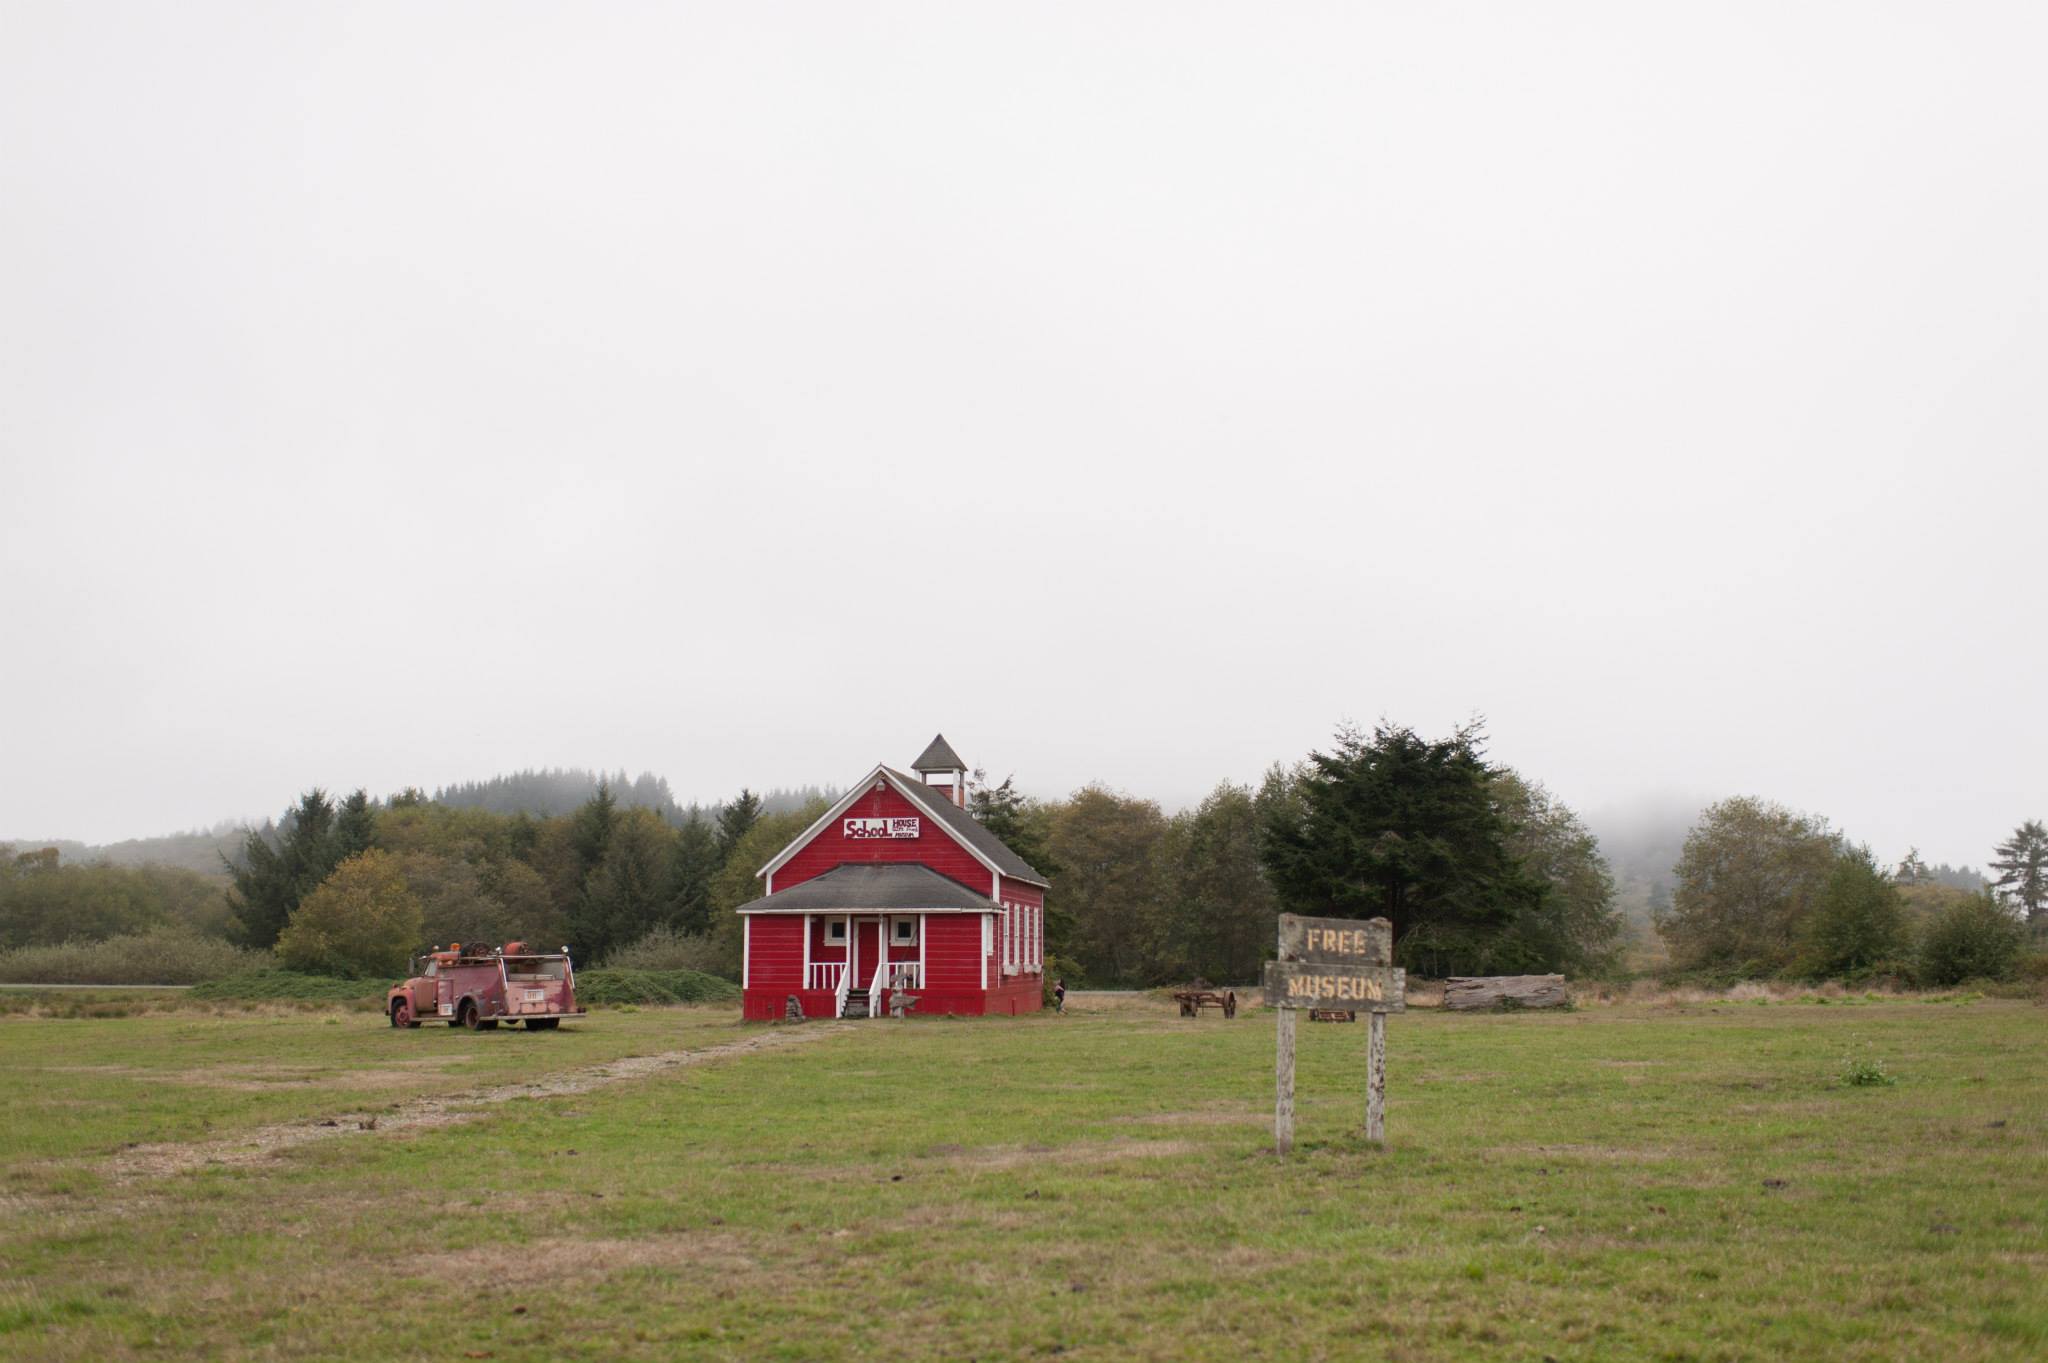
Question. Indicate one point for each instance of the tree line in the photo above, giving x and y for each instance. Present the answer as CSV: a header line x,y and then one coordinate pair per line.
x,y
1479,867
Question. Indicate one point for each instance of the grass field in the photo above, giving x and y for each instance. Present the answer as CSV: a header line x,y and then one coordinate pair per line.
x,y
1641,1181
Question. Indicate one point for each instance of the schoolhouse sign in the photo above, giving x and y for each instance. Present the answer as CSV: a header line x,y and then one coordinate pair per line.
x,y
861,829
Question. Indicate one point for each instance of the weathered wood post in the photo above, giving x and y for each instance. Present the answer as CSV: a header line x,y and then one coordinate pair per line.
x,y
1339,963
1283,1082
1376,1077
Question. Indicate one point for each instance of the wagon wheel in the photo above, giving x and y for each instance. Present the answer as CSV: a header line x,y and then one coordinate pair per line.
x,y
1230,1004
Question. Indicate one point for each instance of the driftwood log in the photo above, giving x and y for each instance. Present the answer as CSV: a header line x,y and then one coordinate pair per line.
x,y
1506,991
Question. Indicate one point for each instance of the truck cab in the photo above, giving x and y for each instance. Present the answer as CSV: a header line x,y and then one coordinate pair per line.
x,y
479,987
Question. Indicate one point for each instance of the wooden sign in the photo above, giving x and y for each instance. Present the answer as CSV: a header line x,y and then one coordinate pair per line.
x,y
1381,988
1328,966
1336,941
860,830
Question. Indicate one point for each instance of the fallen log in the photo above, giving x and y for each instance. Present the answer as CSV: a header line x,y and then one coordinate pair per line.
x,y
1506,991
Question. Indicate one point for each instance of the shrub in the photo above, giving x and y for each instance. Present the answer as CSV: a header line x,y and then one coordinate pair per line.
x,y
611,988
159,956
666,949
1972,939
1862,1072
363,920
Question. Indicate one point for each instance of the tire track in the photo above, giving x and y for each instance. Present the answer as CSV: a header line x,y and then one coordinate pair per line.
x,y
259,1144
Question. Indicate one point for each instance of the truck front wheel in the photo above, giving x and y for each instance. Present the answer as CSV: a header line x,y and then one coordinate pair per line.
x,y
401,1014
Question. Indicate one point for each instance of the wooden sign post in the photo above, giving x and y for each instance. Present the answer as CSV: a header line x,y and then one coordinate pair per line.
x,y
1333,963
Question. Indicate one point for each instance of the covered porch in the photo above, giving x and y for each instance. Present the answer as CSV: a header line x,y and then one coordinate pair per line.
x,y
847,943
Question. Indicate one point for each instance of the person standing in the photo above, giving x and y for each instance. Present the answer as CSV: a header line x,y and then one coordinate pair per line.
x,y
1059,995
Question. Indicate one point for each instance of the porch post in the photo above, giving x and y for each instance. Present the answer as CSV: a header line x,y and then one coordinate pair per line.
x,y
806,984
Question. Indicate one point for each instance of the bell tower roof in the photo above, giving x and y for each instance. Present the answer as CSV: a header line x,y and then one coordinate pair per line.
x,y
938,756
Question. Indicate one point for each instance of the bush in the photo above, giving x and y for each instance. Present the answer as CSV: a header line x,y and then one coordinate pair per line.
x,y
159,956
610,988
289,986
1972,939
665,949
363,920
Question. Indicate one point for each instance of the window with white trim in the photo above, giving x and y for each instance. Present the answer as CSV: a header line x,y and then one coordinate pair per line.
x,y
835,931
904,933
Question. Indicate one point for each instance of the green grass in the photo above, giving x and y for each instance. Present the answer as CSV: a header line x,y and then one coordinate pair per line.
x,y
1692,1183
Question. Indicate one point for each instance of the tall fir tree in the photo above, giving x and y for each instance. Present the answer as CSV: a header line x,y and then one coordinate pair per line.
x,y
736,820
2022,872
279,869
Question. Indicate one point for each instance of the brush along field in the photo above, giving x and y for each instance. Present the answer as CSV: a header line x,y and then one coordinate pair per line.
x,y
1689,1180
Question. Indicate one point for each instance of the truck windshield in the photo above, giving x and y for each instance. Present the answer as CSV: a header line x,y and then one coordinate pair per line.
x,y
525,968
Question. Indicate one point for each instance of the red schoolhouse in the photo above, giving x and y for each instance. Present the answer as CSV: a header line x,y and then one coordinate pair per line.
x,y
897,890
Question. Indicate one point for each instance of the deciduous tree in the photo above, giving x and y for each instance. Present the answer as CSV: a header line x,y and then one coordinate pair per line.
x,y
363,920
1857,924
1748,877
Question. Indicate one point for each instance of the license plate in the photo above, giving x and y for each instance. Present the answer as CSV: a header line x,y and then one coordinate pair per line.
x,y
536,995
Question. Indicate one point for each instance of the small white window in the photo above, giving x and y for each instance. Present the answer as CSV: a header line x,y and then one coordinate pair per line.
x,y
906,932
835,930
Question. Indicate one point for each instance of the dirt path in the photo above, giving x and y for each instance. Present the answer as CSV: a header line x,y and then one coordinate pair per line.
x,y
262,1143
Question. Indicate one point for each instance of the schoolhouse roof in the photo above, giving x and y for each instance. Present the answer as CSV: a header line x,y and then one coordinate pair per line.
x,y
969,830
889,886
938,756
963,827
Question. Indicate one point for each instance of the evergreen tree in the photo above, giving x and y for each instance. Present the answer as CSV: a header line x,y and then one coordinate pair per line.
x,y
277,870
590,830
1400,827
1913,870
627,895
693,863
736,820
355,826
2022,867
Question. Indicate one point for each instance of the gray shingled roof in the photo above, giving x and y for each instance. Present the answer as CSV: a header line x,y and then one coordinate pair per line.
x,y
970,830
939,756
895,886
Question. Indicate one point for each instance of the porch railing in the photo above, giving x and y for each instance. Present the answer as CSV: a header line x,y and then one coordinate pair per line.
x,y
825,975
906,975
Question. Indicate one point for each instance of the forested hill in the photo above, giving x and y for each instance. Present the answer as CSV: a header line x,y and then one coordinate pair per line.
x,y
543,794
199,850
561,790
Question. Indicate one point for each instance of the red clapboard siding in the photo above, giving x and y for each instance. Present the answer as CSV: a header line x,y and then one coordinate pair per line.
x,y
952,951
933,847
776,960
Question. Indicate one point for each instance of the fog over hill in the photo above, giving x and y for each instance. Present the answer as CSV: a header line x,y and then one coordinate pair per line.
x,y
540,793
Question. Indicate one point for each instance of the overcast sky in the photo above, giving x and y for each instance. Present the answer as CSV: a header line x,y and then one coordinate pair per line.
x,y
402,393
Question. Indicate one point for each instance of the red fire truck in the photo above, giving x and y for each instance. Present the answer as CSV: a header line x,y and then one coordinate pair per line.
x,y
479,987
